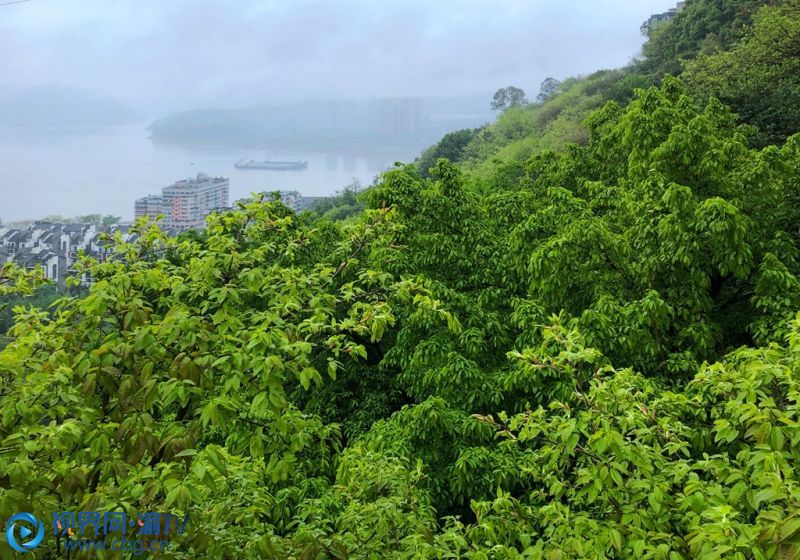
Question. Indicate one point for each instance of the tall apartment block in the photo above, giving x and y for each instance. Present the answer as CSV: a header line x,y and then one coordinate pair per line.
x,y
186,203
399,115
150,206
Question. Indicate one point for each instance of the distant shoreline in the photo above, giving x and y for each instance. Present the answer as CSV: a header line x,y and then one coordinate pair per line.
x,y
76,128
344,146
340,147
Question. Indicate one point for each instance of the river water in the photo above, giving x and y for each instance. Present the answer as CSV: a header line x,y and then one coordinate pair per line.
x,y
102,171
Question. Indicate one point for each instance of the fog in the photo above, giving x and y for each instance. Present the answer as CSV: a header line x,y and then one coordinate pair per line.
x,y
105,101
160,56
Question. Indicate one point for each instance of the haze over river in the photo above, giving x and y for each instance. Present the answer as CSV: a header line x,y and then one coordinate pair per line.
x,y
102,171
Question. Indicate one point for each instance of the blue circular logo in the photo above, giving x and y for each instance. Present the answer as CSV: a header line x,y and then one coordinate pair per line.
x,y
24,532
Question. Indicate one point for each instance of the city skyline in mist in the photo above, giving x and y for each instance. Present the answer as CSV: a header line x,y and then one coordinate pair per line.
x,y
159,57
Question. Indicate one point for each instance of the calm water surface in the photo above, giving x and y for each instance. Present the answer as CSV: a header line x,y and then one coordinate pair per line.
x,y
103,171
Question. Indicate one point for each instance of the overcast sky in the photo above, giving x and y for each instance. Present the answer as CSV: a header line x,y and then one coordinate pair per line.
x,y
162,55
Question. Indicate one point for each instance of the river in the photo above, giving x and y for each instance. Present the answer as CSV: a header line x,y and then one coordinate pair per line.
x,y
102,171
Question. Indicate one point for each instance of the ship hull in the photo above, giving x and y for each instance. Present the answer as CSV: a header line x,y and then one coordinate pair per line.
x,y
272,165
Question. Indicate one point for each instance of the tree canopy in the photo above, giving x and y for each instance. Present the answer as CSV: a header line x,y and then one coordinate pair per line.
x,y
549,88
593,357
759,77
508,97
572,333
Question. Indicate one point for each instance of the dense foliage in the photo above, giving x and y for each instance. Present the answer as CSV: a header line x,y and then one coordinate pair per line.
x,y
450,147
702,26
19,287
760,76
587,349
596,356
41,298
344,204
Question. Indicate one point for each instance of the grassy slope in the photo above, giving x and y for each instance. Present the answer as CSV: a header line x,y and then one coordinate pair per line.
x,y
521,132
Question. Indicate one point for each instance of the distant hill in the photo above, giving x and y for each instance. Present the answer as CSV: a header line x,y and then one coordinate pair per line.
x,y
406,121
52,106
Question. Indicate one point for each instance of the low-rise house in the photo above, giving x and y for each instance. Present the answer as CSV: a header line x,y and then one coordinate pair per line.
x,y
56,247
9,239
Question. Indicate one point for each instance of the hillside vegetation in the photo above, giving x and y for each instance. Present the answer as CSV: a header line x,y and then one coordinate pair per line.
x,y
743,52
580,340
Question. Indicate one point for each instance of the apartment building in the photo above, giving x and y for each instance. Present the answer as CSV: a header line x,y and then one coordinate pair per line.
x,y
186,203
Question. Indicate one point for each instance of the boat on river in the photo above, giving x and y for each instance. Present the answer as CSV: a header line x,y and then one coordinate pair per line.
x,y
271,164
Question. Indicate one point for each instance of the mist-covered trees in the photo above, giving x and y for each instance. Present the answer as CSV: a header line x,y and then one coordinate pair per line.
x,y
508,97
97,219
549,88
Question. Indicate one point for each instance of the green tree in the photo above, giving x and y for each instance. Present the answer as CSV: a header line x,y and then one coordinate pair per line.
x,y
57,218
549,88
759,77
450,147
508,97
110,220
90,219
344,204
183,367
702,26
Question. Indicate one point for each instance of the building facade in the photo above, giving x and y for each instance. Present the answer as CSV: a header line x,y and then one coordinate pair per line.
x,y
149,207
401,115
186,203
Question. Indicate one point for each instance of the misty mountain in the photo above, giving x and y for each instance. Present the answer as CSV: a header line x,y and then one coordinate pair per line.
x,y
383,121
51,106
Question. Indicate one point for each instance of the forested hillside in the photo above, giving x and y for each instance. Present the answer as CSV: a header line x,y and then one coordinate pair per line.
x,y
743,52
581,339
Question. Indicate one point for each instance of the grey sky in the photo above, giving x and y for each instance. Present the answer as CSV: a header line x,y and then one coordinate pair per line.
x,y
160,55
